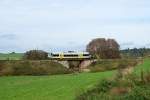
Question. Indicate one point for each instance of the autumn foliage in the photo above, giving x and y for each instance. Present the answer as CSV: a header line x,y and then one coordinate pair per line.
x,y
104,49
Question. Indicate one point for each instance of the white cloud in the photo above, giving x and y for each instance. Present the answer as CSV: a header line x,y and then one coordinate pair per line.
x,y
54,23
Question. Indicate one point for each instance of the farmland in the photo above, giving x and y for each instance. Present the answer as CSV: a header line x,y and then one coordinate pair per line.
x,y
58,87
11,56
54,87
143,67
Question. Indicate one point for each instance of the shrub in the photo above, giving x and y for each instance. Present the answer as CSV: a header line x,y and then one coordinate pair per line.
x,y
130,88
138,93
103,65
98,92
36,55
32,68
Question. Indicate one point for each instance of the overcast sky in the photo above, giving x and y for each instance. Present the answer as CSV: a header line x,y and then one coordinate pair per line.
x,y
60,25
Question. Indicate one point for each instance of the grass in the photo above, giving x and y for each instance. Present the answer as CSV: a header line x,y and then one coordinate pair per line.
x,y
105,65
11,56
133,87
57,87
143,67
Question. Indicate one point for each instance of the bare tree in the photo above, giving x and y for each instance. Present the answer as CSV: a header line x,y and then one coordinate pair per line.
x,y
104,49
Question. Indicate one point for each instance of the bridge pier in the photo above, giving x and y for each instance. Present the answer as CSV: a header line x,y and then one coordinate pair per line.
x,y
63,62
77,65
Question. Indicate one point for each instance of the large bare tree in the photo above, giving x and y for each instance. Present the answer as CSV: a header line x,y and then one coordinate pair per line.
x,y
104,49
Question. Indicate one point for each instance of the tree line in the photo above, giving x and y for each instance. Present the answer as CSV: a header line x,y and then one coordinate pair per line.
x,y
135,52
99,48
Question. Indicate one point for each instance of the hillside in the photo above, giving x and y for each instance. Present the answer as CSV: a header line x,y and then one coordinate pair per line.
x,y
135,86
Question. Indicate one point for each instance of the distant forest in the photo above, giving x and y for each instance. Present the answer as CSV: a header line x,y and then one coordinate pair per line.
x,y
136,52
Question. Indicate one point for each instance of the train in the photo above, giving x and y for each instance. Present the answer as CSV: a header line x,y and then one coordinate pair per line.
x,y
70,55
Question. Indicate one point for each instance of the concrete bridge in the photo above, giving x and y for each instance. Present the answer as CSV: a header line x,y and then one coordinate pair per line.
x,y
79,64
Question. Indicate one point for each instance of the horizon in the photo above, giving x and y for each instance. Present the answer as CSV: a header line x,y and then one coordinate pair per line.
x,y
66,25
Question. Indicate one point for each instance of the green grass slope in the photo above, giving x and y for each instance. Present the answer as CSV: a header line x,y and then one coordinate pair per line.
x,y
11,56
135,87
145,66
57,87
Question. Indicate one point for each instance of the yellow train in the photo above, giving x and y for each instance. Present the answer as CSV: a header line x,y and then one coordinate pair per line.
x,y
70,55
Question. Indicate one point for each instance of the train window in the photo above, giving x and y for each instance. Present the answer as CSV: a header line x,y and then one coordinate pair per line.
x,y
85,54
55,55
70,55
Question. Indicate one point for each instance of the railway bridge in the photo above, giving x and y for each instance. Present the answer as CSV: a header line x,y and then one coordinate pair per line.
x,y
72,60
78,64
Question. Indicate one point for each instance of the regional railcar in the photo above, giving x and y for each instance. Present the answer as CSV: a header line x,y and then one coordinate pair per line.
x,y
70,55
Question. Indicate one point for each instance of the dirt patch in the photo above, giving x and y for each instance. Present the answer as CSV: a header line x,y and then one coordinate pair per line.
x,y
119,90
127,71
85,70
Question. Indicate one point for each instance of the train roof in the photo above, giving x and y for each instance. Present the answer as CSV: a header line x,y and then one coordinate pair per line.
x,y
70,52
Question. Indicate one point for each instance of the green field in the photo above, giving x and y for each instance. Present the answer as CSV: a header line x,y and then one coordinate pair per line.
x,y
11,56
143,67
58,87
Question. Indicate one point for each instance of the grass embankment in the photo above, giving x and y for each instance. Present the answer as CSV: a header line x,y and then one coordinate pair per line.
x,y
145,66
105,65
132,87
58,87
11,56
29,67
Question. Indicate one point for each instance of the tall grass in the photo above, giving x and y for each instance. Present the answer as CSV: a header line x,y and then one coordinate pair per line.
x,y
145,66
135,86
31,68
104,65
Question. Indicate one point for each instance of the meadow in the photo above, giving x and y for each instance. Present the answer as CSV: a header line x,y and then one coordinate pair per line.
x,y
11,56
135,86
54,87
57,87
145,67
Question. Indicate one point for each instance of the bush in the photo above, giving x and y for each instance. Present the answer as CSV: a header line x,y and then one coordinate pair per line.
x,y
138,93
31,68
36,55
98,92
130,88
104,65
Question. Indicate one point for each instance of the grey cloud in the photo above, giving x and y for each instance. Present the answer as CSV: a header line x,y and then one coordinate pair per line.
x,y
8,36
127,44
